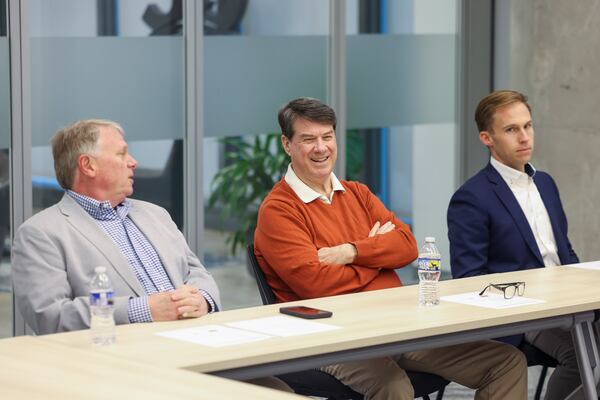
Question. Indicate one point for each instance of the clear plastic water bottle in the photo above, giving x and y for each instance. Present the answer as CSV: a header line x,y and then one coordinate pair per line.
x,y
102,327
430,264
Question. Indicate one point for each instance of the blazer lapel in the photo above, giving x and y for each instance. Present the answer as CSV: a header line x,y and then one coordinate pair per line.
x,y
89,229
507,198
148,225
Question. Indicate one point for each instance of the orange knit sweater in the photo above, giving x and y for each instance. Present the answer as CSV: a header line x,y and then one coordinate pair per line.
x,y
289,233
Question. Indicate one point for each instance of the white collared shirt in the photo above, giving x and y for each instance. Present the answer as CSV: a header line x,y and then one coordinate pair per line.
x,y
528,196
307,194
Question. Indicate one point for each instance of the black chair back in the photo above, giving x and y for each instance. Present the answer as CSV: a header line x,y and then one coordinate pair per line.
x,y
266,294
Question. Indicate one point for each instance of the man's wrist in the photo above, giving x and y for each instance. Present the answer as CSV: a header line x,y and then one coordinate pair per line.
x,y
351,253
212,305
139,310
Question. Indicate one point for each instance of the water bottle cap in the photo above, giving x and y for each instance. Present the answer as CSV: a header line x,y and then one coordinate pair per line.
x,y
429,239
100,270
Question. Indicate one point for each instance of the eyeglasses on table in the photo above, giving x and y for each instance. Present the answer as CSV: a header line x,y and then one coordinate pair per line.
x,y
509,289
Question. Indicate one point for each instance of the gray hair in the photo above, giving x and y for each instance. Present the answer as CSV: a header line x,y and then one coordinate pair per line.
x,y
70,142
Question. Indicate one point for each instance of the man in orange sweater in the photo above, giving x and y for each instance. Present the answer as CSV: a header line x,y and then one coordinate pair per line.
x,y
318,236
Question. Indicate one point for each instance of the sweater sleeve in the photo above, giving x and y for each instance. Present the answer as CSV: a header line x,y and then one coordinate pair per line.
x,y
284,241
391,250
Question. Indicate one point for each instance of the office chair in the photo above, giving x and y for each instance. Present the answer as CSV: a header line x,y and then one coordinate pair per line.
x,y
537,357
315,382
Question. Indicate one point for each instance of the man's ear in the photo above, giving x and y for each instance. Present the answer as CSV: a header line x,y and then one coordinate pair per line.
x,y
485,137
285,142
87,165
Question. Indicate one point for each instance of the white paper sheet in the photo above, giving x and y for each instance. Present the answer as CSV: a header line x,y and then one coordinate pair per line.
x,y
283,326
588,265
490,300
214,335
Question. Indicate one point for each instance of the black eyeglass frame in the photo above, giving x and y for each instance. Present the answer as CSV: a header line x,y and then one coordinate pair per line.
x,y
519,289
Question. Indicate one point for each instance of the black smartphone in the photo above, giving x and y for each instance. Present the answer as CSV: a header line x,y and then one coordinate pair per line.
x,y
305,312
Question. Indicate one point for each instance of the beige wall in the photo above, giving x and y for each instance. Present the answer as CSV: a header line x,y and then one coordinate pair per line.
x,y
552,53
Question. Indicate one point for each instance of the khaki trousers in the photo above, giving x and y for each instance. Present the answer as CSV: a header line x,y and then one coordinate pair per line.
x,y
496,370
558,344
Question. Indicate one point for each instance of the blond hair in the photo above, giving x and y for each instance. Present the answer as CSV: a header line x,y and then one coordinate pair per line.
x,y
487,107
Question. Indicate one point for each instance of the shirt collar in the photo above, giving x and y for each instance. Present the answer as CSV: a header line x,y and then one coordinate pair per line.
x,y
511,175
101,210
307,194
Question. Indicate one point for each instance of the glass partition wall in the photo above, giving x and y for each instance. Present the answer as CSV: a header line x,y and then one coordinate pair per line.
x,y
400,65
118,60
394,73
110,62
402,59
275,50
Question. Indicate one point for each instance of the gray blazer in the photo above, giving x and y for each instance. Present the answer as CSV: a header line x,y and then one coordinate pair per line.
x,y
56,250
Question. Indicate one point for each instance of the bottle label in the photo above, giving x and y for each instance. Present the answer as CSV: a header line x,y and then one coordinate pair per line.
x,y
101,299
429,264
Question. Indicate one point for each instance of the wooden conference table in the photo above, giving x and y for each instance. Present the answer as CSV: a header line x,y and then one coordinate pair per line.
x,y
374,324
37,369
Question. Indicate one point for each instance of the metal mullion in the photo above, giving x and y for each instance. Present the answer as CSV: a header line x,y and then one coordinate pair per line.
x,y
20,100
475,81
336,77
193,171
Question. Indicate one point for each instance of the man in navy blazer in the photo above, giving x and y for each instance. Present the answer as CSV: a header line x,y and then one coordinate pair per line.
x,y
509,217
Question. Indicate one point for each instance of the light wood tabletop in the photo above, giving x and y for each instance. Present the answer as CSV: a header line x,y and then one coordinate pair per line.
x,y
367,320
38,369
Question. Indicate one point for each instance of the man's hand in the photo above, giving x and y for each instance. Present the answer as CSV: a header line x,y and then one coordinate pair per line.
x,y
184,302
189,302
378,229
162,308
342,254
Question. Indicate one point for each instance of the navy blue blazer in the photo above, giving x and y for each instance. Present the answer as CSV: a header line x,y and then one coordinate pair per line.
x,y
489,233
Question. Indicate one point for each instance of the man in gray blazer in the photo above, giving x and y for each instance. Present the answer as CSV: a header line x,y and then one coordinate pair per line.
x,y
155,275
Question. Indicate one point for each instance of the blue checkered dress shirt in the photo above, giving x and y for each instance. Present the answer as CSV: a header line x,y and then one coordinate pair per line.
x,y
137,250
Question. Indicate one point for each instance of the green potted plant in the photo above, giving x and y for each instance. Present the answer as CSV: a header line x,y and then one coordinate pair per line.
x,y
251,170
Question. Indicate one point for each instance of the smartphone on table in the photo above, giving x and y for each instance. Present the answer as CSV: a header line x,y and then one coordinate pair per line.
x,y
305,312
